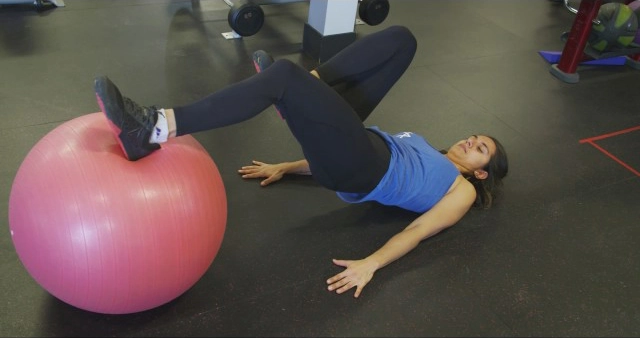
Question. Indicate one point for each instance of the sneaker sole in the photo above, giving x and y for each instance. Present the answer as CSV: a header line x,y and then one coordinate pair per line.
x,y
116,130
255,64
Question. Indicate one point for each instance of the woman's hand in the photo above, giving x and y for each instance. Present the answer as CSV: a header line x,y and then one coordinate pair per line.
x,y
357,274
271,172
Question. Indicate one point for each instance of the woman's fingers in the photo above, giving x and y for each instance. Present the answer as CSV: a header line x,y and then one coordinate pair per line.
x,y
345,287
261,170
266,182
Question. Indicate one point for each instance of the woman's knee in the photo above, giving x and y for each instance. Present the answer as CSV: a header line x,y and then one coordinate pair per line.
x,y
403,36
286,67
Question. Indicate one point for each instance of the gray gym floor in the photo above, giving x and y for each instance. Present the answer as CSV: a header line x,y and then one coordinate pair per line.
x,y
558,255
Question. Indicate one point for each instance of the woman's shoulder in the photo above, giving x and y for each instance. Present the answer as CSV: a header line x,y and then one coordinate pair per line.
x,y
463,188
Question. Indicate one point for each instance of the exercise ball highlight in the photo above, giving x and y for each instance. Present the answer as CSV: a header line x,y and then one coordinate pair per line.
x,y
109,235
616,28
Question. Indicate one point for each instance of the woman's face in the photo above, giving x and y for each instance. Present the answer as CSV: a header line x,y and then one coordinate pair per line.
x,y
473,153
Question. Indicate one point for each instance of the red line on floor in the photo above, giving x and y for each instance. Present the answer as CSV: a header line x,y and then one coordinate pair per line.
x,y
613,158
596,138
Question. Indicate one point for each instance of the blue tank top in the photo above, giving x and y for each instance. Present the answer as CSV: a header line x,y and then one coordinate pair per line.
x,y
418,176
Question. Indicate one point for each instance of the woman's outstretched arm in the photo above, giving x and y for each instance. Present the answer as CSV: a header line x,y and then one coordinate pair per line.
x,y
449,210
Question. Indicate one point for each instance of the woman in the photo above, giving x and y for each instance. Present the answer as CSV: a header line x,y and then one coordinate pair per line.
x,y
325,110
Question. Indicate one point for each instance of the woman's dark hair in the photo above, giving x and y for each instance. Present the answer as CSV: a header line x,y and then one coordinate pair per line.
x,y
497,169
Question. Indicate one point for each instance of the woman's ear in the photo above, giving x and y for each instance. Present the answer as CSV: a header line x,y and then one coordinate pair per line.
x,y
480,174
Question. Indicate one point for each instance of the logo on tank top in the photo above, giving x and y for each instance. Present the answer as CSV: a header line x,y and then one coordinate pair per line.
x,y
404,134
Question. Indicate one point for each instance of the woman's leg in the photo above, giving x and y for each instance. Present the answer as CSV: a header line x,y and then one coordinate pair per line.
x,y
363,72
342,154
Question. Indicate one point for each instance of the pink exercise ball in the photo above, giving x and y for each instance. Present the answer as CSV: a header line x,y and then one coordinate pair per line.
x,y
109,235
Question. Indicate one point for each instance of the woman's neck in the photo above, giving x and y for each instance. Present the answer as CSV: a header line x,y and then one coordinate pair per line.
x,y
462,169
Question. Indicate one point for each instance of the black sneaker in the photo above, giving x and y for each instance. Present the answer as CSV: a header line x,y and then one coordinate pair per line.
x,y
262,60
132,123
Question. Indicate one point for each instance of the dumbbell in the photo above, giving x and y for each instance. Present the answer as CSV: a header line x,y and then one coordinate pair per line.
x,y
245,17
373,12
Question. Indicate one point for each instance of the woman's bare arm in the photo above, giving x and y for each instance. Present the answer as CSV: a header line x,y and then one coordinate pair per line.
x,y
444,214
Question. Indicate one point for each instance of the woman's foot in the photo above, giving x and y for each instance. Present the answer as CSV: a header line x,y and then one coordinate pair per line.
x,y
132,123
261,60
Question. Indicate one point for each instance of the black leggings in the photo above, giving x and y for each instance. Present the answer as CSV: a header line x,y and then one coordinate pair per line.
x,y
326,117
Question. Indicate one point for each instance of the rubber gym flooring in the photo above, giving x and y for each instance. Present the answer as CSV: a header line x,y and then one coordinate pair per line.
x,y
556,256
